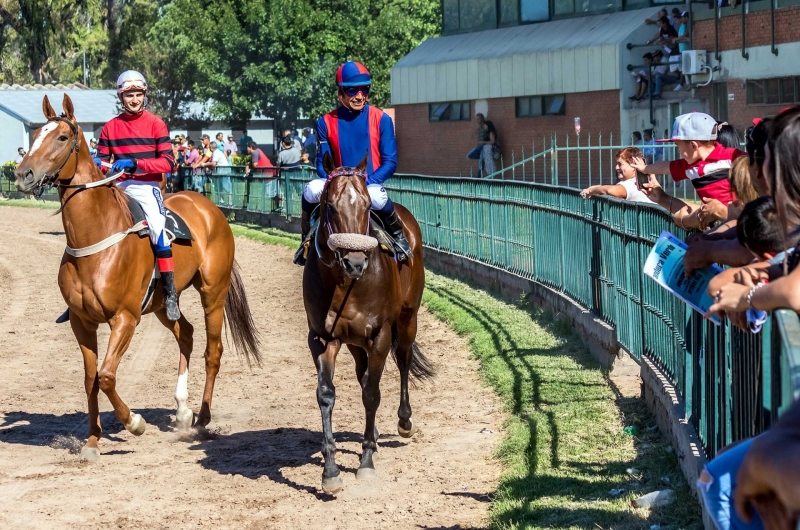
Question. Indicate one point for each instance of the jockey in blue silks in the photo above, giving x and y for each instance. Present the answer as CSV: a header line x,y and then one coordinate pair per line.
x,y
347,134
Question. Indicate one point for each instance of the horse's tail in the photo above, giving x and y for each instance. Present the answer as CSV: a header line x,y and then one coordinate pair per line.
x,y
421,367
240,321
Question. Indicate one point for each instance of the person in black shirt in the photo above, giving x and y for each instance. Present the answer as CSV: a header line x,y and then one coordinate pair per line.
x,y
666,36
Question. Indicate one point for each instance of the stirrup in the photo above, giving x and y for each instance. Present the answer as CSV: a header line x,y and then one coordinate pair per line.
x,y
63,318
301,255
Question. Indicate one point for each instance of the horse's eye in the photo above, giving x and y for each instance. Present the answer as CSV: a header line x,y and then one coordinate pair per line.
x,y
62,138
331,207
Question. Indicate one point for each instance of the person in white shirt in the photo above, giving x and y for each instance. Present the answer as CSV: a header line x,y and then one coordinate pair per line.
x,y
627,188
220,162
218,158
20,155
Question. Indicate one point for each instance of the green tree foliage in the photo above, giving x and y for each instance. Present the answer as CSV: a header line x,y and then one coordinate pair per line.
x,y
276,57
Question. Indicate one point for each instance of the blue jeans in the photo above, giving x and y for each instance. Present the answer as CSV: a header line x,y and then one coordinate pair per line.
x,y
718,494
475,153
664,79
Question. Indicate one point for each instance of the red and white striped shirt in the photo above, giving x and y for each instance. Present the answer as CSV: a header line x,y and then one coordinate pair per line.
x,y
143,137
710,176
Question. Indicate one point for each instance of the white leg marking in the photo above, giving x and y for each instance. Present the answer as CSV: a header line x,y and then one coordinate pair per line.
x,y
47,129
184,415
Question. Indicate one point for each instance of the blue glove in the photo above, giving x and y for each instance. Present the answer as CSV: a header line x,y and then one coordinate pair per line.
x,y
123,165
98,162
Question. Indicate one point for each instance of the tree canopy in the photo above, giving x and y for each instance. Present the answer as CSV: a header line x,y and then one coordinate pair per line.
x,y
275,58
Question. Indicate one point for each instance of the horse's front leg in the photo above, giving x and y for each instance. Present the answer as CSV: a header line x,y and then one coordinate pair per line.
x,y
86,334
325,360
371,397
122,328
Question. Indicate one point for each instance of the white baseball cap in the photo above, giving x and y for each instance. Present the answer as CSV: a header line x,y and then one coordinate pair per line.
x,y
693,126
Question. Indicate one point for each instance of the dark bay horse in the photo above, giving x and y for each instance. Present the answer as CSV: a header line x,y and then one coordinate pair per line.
x,y
357,295
109,286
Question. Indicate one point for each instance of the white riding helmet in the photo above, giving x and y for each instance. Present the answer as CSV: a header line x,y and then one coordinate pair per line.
x,y
130,80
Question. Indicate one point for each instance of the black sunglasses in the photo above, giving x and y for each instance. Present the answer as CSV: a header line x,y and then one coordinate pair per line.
x,y
351,91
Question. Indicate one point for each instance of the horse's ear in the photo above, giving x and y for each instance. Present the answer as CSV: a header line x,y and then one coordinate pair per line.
x,y
47,108
362,166
69,110
327,163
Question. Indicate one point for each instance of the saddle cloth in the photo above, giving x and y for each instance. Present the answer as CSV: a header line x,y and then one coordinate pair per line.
x,y
176,227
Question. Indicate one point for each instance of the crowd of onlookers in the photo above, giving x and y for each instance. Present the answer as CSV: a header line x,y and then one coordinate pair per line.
x,y
216,156
663,66
748,219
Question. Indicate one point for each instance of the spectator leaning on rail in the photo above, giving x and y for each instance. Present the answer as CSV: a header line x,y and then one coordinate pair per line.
x,y
722,247
628,187
704,162
289,156
760,476
346,134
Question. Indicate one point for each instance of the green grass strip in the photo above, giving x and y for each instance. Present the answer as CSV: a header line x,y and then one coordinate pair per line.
x,y
270,236
31,203
564,448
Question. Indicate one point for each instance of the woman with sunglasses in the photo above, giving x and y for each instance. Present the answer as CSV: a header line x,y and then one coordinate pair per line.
x,y
348,133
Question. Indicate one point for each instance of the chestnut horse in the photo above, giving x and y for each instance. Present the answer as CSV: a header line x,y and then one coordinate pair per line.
x,y
356,294
109,286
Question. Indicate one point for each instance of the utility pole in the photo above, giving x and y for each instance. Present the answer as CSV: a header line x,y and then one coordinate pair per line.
x,y
84,69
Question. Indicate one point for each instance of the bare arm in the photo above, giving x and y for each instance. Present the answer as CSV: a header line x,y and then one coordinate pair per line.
x,y
615,190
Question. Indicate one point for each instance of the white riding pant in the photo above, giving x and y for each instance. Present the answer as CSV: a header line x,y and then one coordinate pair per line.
x,y
148,195
377,193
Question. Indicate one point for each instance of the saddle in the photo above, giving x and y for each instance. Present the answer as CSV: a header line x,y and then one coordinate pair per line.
x,y
176,227
177,230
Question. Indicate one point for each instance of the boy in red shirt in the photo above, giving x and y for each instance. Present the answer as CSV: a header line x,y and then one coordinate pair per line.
x,y
703,161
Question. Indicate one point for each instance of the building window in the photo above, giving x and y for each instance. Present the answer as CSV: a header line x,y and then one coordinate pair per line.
x,y
533,106
534,10
449,111
773,91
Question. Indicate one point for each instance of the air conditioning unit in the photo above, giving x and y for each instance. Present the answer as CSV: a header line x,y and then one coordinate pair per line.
x,y
693,62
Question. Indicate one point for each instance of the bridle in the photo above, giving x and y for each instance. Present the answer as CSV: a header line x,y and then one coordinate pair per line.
x,y
52,178
340,172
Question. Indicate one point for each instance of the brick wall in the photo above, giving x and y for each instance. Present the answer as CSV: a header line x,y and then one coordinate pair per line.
x,y
740,114
440,148
787,29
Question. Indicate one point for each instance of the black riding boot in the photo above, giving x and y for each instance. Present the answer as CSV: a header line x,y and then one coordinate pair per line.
x,y
305,227
395,229
167,269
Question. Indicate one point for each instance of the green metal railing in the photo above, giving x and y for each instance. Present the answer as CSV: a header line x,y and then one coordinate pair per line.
x,y
734,384
582,161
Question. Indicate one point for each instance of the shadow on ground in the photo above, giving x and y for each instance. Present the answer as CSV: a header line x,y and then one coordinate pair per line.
x,y
254,454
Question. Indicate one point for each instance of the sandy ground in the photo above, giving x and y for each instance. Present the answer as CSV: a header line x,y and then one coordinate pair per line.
x,y
263,468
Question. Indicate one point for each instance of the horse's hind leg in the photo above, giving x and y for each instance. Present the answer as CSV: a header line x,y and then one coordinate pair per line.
x,y
325,361
87,340
122,328
407,333
184,334
212,296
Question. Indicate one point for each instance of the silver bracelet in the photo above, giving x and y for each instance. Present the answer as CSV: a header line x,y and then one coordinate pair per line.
x,y
753,290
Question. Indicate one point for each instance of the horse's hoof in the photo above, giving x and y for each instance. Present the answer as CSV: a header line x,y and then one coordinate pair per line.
x,y
366,473
184,419
137,425
90,454
407,433
332,485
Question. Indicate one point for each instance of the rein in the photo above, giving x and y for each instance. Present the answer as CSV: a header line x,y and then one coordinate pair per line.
x,y
51,179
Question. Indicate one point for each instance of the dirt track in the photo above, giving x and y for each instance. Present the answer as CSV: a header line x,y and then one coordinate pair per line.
x,y
263,468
